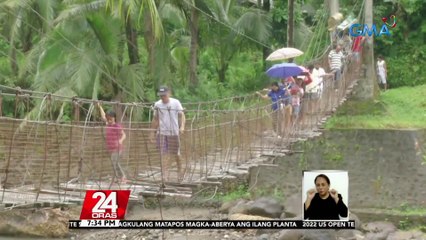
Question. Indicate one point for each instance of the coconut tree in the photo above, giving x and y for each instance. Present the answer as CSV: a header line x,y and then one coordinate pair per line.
x,y
146,16
77,54
23,21
234,27
126,11
193,10
80,57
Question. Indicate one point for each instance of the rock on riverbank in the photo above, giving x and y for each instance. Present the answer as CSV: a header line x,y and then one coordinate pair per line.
x,y
45,222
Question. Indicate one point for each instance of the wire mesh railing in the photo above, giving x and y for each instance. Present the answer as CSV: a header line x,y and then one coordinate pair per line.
x,y
43,152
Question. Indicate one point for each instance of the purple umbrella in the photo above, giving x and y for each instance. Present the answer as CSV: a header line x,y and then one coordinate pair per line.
x,y
284,70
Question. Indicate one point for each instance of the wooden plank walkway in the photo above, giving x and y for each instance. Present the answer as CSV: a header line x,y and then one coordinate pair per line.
x,y
210,169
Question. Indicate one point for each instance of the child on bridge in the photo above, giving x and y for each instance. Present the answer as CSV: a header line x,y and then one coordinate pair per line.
x,y
115,137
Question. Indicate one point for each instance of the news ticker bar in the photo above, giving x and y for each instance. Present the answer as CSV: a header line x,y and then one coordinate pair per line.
x,y
276,224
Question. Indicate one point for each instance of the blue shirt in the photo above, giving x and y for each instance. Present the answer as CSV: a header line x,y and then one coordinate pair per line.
x,y
276,98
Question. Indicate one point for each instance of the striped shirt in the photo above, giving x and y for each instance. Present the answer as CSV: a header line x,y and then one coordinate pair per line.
x,y
335,59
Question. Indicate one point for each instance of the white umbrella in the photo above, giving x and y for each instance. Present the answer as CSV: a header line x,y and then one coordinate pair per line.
x,y
284,53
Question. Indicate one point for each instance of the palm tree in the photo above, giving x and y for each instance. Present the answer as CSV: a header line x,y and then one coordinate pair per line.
x,y
80,57
126,12
234,27
193,10
174,49
145,15
141,7
77,55
132,41
22,20
193,20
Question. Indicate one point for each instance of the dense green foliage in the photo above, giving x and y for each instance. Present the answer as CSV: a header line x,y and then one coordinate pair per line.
x,y
403,107
204,50
405,50
65,47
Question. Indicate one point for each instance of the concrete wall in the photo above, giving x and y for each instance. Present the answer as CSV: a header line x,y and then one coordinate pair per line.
x,y
385,166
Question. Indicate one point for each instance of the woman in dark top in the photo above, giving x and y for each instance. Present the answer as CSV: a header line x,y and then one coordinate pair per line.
x,y
323,203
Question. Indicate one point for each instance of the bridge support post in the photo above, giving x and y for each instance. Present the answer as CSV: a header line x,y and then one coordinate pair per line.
x,y
333,6
368,88
290,25
1,104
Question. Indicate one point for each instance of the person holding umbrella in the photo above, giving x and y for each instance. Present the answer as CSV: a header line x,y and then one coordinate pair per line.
x,y
277,96
286,71
284,54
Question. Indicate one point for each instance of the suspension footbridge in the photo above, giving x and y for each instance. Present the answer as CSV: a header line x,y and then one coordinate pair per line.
x,y
48,159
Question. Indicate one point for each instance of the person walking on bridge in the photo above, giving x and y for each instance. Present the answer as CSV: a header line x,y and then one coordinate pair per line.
x,y
169,125
296,99
357,48
277,96
335,60
287,84
316,88
115,137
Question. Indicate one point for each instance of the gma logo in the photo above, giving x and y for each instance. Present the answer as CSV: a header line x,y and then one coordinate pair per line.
x,y
357,30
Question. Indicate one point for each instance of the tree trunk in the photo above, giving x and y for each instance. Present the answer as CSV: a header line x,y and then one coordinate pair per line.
x,y
13,63
193,51
118,108
149,37
334,9
222,72
27,43
265,50
368,89
290,24
132,42
120,49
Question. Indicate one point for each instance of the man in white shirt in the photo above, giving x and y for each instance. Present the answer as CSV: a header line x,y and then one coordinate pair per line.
x,y
317,85
382,72
335,60
169,123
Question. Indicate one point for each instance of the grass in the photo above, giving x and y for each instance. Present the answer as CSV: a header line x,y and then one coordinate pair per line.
x,y
242,192
399,108
408,210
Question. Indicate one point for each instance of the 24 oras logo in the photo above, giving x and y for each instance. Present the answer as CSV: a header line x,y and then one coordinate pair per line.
x,y
105,204
356,30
